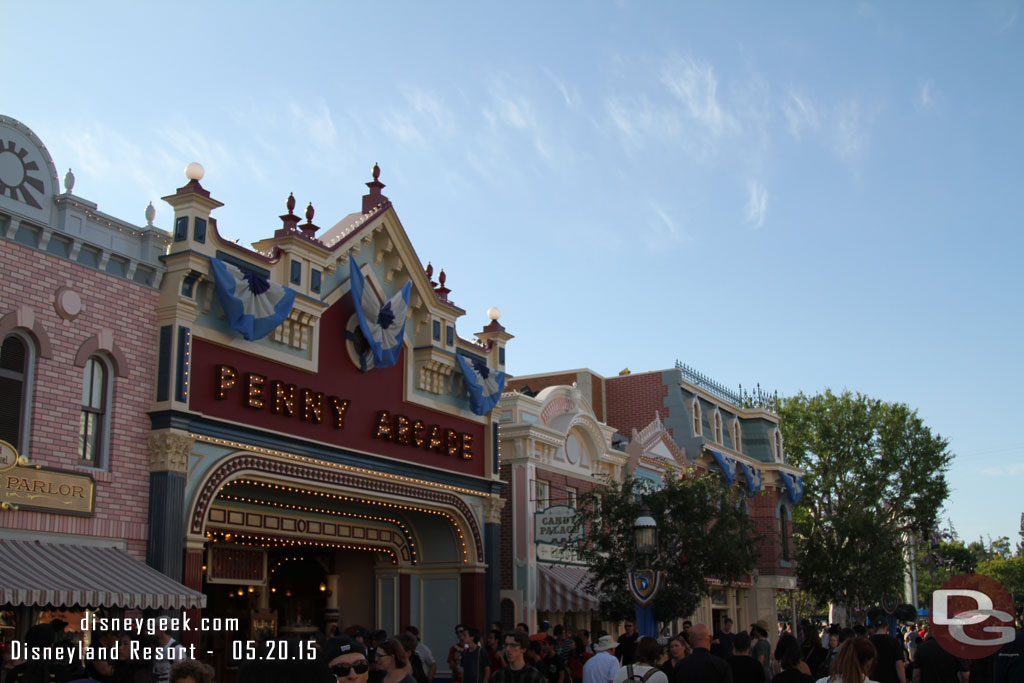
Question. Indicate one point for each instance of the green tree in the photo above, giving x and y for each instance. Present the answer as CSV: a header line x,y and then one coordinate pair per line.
x,y
875,477
704,532
1009,572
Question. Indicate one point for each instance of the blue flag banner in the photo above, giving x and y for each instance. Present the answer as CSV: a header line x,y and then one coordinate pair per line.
x,y
484,385
753,476
253,305
382,325
728,466
794,487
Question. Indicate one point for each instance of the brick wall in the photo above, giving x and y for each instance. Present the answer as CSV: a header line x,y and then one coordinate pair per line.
x,y
31,278
633,400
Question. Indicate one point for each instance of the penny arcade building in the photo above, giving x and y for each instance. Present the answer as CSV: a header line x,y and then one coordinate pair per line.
x,y
330,454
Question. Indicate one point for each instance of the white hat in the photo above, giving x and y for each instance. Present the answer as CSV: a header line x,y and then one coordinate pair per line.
x,y
605,643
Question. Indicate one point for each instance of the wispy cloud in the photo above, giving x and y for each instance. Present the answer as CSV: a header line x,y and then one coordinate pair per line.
x,y
571,99
757,203
515,110
423,116
801,113
695,85
316,122
665,228
852,130
1010,470
636,118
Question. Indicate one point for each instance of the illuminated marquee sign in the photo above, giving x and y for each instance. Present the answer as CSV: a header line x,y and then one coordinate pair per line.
x,y
281,398
418,434
259,392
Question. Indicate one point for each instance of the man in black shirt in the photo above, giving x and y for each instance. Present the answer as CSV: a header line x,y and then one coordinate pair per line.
x,y
626,651
701,666
517,671
889,663
745,669
932,664
551,665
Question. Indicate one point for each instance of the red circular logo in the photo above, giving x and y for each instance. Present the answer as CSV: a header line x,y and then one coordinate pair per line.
x,y
972,616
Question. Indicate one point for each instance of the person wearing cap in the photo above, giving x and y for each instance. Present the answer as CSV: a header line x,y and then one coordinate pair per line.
x,y
517,671
542,631
602,667
346,659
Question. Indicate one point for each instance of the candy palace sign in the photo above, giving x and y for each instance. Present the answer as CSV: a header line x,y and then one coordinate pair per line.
x,y
554,524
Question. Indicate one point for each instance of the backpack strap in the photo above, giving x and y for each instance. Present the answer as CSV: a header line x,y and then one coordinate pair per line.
x,y
629,672
647,676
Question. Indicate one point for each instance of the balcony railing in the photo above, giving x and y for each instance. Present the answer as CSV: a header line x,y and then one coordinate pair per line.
x,y
756,398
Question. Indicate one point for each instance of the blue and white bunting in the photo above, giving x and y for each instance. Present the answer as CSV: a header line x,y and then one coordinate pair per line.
x,y
728,466
383,326
253,305
794,487
484,385
753,477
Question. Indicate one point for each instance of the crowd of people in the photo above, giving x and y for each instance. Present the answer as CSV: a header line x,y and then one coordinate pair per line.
x,y
555,655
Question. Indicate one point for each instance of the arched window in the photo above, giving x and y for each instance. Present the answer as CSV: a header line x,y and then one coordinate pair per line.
x,y
94,424
697,431
718,427
778,446
16,362
737,437
785,530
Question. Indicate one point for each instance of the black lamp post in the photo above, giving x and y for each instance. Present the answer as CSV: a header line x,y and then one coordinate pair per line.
x,y
645,583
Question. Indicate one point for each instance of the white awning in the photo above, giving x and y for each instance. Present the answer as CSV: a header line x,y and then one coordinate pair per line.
x,y
38,573
560,589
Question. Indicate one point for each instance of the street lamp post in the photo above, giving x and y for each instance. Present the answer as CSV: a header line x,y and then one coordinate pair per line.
x,y
645,583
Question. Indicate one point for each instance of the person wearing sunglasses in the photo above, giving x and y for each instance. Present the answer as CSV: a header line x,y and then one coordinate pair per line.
x,y
346,658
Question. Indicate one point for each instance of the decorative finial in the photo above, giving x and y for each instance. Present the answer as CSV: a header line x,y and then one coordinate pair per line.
x,y
309,212
430,270
150,215
69,181
194,171
441,278
290,203
376,171
493,312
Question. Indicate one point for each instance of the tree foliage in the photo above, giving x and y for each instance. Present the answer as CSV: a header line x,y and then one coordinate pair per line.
x,y
1007,571
875,477
704,532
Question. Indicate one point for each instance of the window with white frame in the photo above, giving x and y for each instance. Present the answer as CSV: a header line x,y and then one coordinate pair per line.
x,y
718,427
17,356
570,496
737,436
541,494
94,424
697,430
777,445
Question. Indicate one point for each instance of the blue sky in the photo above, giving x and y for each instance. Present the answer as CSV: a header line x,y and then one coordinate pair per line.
x,y
805,195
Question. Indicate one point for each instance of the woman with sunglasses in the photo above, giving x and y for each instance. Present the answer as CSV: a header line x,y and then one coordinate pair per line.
x,y
391,657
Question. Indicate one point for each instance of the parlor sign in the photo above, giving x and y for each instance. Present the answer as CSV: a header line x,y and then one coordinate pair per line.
x,y
27,486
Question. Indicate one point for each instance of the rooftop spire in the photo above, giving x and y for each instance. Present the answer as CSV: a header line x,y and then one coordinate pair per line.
x,y
375,198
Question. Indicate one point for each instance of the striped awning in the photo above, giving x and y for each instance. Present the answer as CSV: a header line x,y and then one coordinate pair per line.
x,y
63,574
560,589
